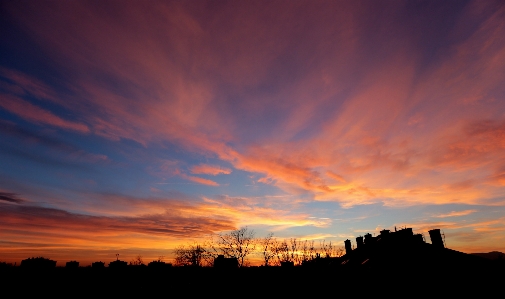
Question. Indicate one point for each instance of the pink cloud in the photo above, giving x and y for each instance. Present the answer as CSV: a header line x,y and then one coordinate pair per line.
x,y
209,169
24,84
36,114
199,180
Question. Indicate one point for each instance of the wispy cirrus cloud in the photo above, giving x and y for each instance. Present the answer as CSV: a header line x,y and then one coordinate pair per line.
x,y
171,224
345,118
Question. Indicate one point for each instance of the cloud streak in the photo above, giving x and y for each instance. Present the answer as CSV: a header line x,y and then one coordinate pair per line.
x,y
456,214
10,197
209,169
36,114
198,180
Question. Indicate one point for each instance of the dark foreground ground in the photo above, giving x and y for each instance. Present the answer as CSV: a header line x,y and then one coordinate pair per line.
x,y
395,281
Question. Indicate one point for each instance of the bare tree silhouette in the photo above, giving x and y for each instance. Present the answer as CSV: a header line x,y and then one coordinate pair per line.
x,y
241,243
268,245
307,251
137,261
330,250
282,252
238,244
195,255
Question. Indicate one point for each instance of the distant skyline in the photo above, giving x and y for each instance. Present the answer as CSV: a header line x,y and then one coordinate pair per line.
x,y
132,127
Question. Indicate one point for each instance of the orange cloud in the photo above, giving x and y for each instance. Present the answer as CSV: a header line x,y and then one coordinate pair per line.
x,y
130,225
245,212
456,214
335,176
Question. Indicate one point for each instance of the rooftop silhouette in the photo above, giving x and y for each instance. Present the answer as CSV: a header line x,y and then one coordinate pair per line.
x,y
399,249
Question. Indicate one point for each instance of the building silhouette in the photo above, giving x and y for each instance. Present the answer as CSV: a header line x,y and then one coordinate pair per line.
x,y
98,265
118,264
72,265
4,265
159,265
222,262
398,249
38,263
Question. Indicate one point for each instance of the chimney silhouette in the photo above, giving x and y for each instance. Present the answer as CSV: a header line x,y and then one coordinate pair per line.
x,y
359,241
368,239
384,232
436,238
348,247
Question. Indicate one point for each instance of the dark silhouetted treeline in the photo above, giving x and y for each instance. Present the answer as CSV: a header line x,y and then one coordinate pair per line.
x,y
395,263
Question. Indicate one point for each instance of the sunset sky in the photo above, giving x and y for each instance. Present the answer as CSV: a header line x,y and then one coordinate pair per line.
x,y
134,126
